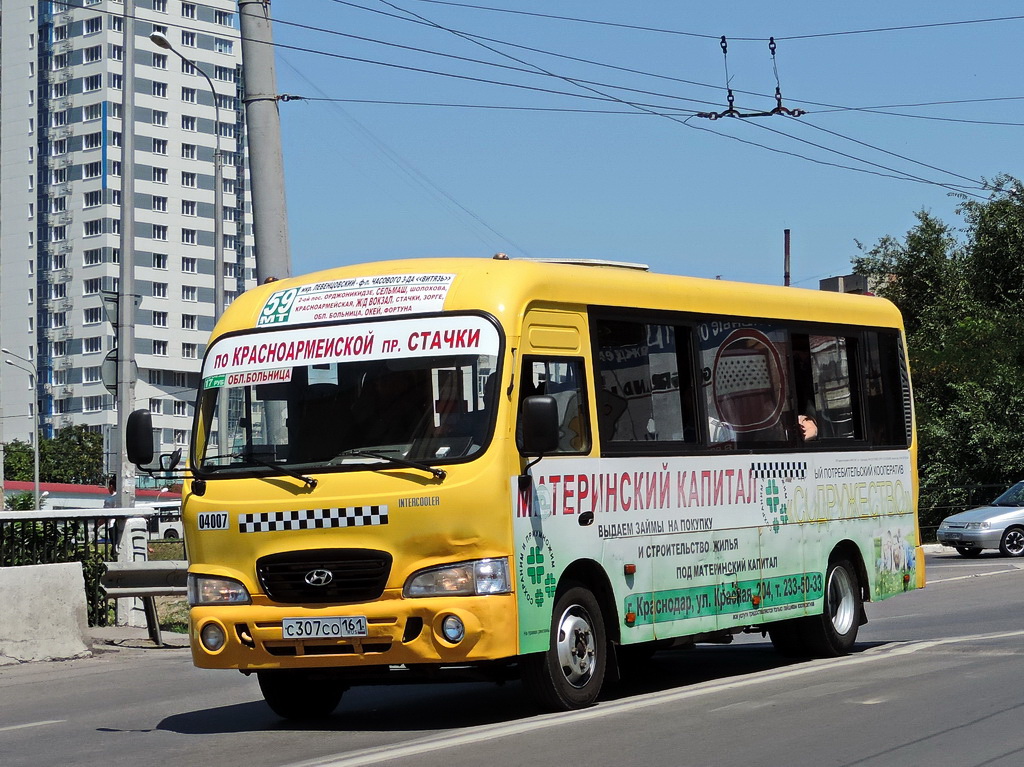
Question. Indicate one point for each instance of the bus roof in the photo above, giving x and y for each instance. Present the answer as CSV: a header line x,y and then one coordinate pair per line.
x,y
507,287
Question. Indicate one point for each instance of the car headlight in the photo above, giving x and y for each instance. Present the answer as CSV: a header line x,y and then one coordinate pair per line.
x,y
482,576
216,590
944,525
978,525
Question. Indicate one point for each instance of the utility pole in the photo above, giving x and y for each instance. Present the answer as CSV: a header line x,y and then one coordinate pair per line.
x,y
263,125
785,269
126,287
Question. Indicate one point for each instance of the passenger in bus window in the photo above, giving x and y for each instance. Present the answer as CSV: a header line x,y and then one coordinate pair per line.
x,y
808,425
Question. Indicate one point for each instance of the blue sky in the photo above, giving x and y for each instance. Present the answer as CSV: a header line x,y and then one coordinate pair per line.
x,y
370,181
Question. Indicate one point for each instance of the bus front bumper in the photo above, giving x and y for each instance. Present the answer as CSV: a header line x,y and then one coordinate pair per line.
x,y
398,632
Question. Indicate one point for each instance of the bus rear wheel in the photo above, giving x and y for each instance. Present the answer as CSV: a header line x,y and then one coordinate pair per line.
x,y
569,675
299,695
834,631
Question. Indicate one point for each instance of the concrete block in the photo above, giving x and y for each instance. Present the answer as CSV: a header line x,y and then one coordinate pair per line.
x,y
44,615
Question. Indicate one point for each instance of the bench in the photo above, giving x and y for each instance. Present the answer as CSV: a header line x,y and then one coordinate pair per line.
x,y
145,580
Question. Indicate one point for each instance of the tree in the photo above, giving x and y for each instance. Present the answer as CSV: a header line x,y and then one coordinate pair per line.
x,y
961,303
74,455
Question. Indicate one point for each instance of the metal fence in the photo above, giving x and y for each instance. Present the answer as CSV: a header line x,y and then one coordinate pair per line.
x,y
936,504
89,536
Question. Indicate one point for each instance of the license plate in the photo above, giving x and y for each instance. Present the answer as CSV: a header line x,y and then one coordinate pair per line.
x,y
324,628
954,536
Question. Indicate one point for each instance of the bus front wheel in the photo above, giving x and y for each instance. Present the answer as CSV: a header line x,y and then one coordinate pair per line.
x,y
569,675
298,695
834,631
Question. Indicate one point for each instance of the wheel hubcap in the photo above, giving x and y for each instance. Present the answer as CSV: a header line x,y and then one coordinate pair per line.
x,y
841,601
1015,542
575,646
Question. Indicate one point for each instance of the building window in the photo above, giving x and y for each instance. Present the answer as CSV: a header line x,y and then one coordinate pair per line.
x,y
188,179
94,227
59,90
58,233
188,122
92,54
115,167
188,151
57,205
92,374
188,351
188,10
92,112
93,26
159,232
224,18
160,175
160,319
92,287
159,260
92,257
58,147
180,437
159,146
189,293
181,408
188,39
92,140
187,68
227,130
156,406
116,23
188,236
188,207
92,345
188,264
159,290
160,348
221,45
160,6
188,95
159,118
60,33
155,377
225,74
116,52
115,138
59,349
59,119
92,83
188,322
159,61
159,89
93,199
93,315
92,170
159,204
116,80
58,319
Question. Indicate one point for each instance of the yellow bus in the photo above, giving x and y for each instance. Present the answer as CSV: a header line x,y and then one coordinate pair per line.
x,y
408,470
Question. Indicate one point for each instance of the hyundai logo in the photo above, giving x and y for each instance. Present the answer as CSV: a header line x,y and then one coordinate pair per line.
x,y
319,577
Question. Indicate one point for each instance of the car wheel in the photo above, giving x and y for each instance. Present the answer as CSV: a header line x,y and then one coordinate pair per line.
x,y
569,675
297,695
968,551
1012,543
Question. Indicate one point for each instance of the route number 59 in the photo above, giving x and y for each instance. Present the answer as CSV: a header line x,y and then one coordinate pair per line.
x,y
278,307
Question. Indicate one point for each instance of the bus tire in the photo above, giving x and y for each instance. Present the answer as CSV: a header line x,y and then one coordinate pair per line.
x,y
569,675
834,631
298,696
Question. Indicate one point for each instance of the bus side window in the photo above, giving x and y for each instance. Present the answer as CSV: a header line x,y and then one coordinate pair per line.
x,y
563,379
887,391
824,368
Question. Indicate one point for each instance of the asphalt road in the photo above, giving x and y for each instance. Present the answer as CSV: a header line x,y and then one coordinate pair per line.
x,y
935,681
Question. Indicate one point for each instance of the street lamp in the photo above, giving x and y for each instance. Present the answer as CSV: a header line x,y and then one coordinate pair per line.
x,y
160,40
34,373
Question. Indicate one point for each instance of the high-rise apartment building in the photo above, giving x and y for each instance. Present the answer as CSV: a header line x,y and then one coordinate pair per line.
x,y
63,195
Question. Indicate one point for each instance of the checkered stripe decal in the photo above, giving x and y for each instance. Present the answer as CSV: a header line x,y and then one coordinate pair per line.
x,y
313,519
779,470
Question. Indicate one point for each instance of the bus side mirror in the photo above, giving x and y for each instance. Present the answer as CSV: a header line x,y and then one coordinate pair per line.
x,y
139,438
540,426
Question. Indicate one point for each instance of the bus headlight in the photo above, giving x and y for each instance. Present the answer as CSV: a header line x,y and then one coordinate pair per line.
x,y
482,576
216,590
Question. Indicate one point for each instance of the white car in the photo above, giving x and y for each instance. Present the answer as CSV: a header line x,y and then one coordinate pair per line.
x,y
997,526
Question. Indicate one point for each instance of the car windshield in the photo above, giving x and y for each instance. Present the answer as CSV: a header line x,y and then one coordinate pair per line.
x,y
402,394
1012,497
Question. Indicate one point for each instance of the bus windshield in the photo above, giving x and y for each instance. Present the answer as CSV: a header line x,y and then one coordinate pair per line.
x,y
400,394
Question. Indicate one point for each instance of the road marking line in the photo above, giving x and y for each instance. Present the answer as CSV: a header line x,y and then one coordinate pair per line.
x,y
31,724
973,575
378,754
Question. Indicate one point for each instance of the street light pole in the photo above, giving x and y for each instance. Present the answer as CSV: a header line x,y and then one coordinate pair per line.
x,y
34,380
160,40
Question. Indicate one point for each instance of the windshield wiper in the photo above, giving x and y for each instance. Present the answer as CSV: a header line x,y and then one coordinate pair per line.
x,y
251,456
436,472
